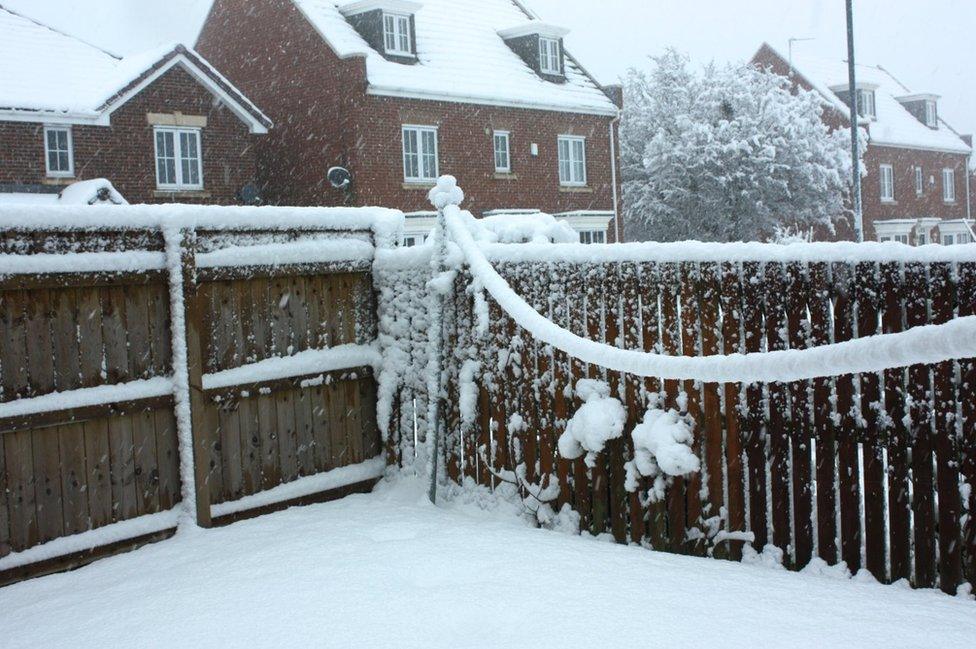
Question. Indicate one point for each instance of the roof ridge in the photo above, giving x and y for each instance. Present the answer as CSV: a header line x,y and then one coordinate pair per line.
x,y
60,32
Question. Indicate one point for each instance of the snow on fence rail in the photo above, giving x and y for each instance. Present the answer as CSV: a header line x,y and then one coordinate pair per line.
x,y
274,353
878,464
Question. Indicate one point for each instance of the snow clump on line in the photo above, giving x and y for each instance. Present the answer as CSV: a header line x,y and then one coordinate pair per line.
x,y
662,449
600,419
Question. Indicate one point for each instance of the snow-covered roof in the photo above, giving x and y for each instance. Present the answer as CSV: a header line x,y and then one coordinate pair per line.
x,y
461,58
894,126
58,76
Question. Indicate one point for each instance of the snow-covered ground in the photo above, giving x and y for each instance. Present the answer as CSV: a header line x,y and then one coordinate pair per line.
x,y
389,570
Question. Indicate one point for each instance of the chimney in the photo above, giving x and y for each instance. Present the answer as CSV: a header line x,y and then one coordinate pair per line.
x,y
616,94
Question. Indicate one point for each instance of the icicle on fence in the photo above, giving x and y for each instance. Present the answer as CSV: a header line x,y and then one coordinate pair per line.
x,y
875,470
278,337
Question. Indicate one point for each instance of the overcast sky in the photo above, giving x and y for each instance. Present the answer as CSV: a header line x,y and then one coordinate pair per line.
x,y
927,44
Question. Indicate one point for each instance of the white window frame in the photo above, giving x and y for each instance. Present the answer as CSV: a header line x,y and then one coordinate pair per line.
x,y
919,181
550,56
399,34
419,131
573,178
59,173
506,166
931,114
867,103
948,239
900,238
948,185
181,185
886,181
921,239
593,236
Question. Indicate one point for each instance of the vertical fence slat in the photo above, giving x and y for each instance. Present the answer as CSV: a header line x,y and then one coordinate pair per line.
x,y
847,462
942,301
616,449
595,329
752,325
690,295
633,402
965,391
671,345
802,418
713,509
779,423
650,323
731,305
868,302
561,377
896,432
922,452
826,445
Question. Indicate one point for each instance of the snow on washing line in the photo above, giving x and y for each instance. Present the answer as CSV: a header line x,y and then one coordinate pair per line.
x,y
920,345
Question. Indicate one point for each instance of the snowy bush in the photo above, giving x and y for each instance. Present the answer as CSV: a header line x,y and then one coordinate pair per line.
x,y
662,449
730,154
599,419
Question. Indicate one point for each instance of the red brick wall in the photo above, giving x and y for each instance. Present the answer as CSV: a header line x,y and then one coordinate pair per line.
x,y
124,151
323,117
907,205
465,147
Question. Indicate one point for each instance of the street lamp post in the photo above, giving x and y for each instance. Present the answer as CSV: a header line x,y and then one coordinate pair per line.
x,y
855,143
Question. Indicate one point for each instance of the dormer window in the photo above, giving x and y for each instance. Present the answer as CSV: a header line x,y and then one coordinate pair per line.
x,y
396,34
866,104
389,26
931,114
924,107
550,56
540,45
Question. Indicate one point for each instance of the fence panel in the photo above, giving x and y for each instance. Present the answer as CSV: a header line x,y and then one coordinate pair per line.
x,y
73,461
888,455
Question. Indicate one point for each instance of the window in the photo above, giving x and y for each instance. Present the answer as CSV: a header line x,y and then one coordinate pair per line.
x,y
58,156
411,240
949,185
396,34
884,239
866,104
420,154
962,238
572,161
550,59
593,236
887,183
179,164
931,114
503,156
919,181
921,239
948,240
901,238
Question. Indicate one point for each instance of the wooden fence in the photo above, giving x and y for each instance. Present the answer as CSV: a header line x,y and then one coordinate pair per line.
x,y
869,469
69,467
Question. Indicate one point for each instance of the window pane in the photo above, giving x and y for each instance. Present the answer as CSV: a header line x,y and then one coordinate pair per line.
x,y
389,32
429,148
165,158
411,163
189,158
404,36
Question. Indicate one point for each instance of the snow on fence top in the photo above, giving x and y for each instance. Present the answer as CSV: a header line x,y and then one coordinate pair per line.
x,y
82,262
385,224
920,345
280,254
696,251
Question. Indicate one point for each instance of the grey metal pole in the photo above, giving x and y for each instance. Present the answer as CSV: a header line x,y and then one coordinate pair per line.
x,y
855,144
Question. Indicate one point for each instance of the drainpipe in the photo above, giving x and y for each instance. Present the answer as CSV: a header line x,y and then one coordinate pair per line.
x,y
613,176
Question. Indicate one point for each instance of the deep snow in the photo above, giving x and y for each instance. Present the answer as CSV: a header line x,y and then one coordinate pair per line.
x,y
388,569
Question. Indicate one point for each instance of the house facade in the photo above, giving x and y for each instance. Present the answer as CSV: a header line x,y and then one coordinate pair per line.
x,y
915,190
163,126
397,93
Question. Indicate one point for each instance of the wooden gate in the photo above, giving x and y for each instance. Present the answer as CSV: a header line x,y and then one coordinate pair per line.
x,y
278,336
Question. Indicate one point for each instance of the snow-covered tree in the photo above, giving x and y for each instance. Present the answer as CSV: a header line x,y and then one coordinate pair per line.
x,y
731,153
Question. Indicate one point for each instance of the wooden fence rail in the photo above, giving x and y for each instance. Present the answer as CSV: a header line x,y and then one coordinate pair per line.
x,y
69,466
870,469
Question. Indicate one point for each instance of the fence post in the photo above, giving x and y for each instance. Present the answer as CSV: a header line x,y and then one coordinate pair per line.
x,y
186,319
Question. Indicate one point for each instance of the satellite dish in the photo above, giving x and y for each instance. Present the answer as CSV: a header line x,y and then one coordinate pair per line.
x,y
250,194
340,177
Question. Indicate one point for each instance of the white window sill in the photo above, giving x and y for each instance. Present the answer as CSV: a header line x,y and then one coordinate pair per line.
x,y
52,179
889,201
505,175
576,189
401,55
182,192
419,184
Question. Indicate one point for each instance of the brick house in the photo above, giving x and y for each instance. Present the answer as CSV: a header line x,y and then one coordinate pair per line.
x,y
161,126
398,92
916,189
